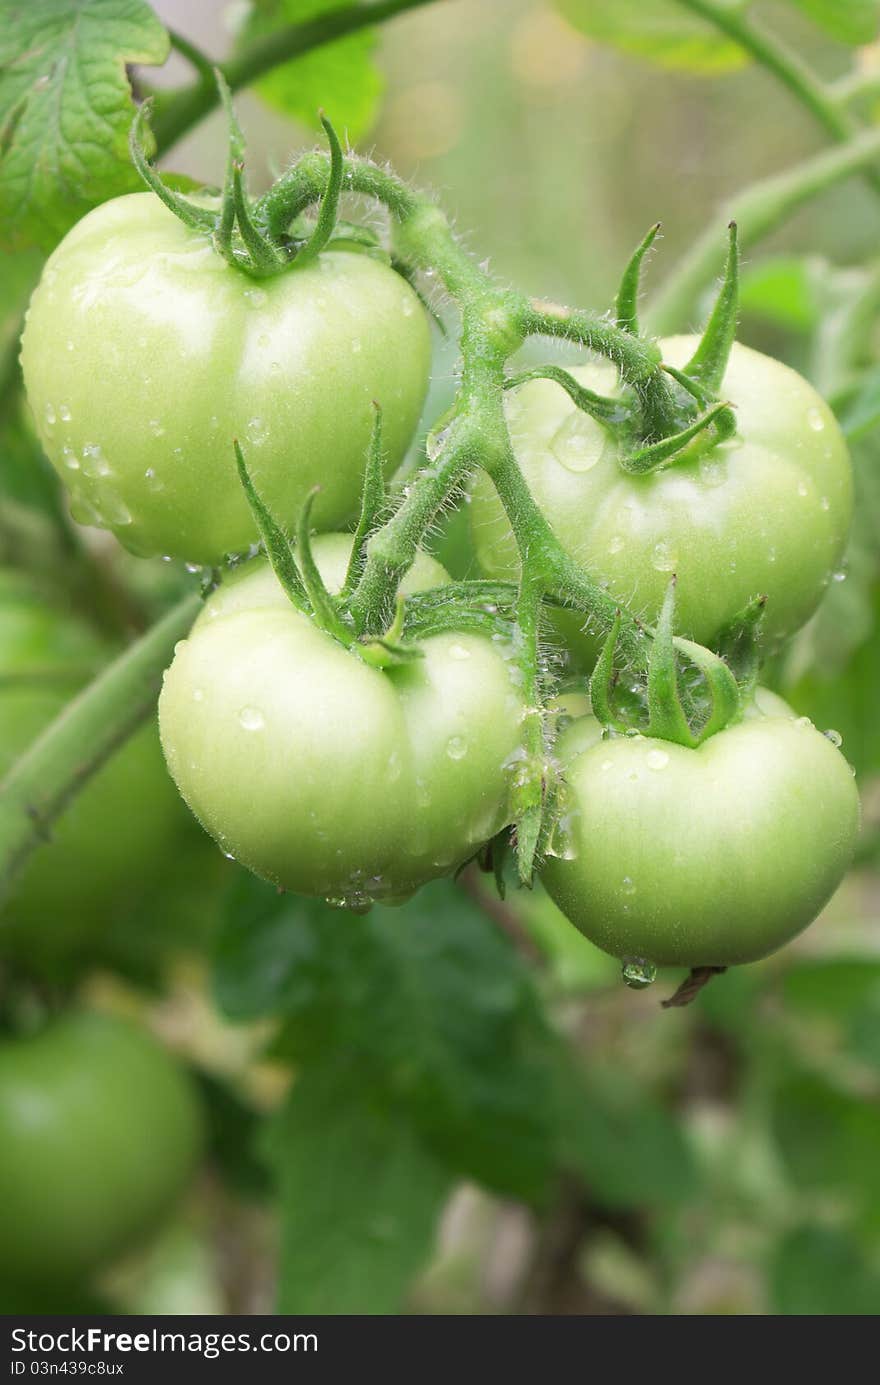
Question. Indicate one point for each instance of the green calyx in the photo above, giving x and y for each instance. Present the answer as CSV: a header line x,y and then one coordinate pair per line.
x,y
690,693
654,427
240,229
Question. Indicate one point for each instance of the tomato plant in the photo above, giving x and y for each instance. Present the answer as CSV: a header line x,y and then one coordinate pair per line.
x,y
230,377
322,773
99,1134
145,354
763,513
126,821
701,857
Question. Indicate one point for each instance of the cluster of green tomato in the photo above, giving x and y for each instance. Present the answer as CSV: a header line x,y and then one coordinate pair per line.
x,y
145,354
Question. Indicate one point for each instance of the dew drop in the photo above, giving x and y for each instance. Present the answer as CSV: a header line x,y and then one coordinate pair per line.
x,y
198,695
834,737
408,307
256,297
638,974
114,509
456,747
579,443
256,432
50,415
71,460
156,428
664,558
606,765
152,479
251,719
615,544
627,885
458,651
804,723
825,503
656,759
802,489
712,471
815,419
839,576
64,413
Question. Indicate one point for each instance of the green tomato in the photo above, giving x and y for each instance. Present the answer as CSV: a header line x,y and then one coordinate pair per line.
x,y
145,354
99,1133
106,848
321,773
705,857
763,514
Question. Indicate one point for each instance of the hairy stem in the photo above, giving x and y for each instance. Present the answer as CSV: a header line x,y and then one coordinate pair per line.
x,y
757,211
178,111
786,66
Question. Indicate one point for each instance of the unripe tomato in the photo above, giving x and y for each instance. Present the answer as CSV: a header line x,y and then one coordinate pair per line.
x,y
325,775
703,857
144,355
109,843
763,514
100,1130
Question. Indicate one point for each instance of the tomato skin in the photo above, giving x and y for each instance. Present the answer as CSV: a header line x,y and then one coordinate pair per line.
x,y
100,1130
322,774
111,840
766,513
705,857
145,354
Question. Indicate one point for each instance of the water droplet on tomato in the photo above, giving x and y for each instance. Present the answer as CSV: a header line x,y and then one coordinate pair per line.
x,y
815,419
638,974
50,415
664,558
656,759
456,747
251,719
834,737
458,651
64,413
579,443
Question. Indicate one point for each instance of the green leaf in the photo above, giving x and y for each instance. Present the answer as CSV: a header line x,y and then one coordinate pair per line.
x,y
849,21
66,108
339,77
844,991
360,1196
629,1150
431,997
658,30
819,1271
829,1140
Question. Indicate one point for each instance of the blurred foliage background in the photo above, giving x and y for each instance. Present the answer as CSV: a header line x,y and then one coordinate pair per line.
x,y
723,1159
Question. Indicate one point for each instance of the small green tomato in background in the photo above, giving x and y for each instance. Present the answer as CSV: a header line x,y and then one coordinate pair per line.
x,y
100,1130
144,355
325,775
764,514
705,857
112,839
